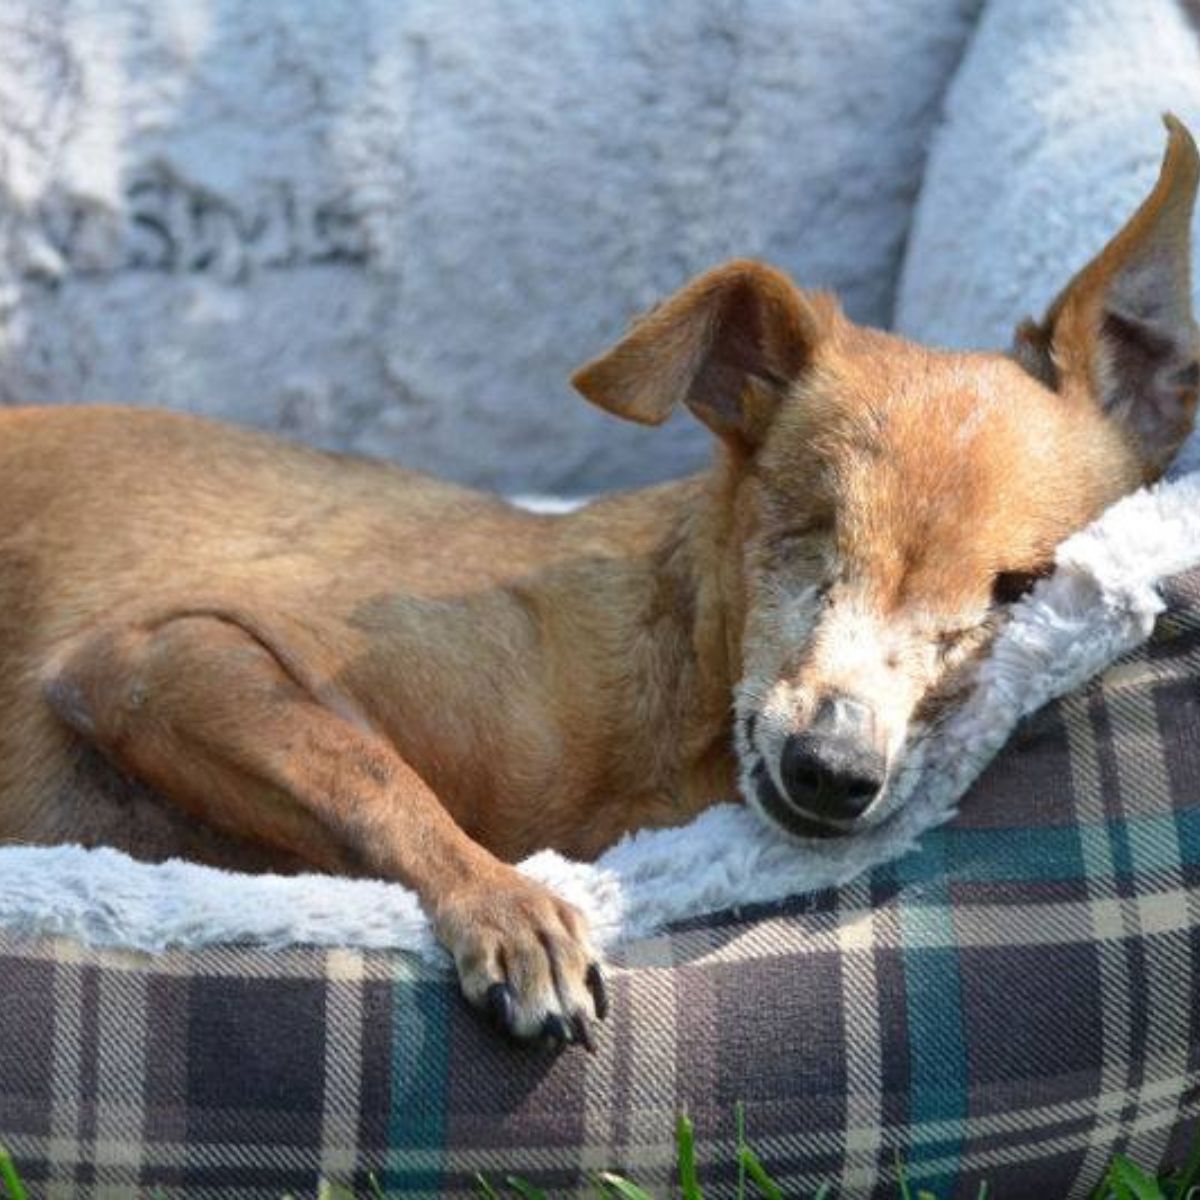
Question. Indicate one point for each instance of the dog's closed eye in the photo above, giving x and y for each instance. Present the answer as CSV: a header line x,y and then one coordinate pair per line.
x,y
1009,586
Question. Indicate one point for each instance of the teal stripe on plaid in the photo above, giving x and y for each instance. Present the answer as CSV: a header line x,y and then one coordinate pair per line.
x,y
1046,854
996,855
1123,864
937,1050
1187,825
422,1004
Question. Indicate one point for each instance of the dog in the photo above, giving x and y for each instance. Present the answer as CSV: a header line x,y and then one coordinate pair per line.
x,y
220,646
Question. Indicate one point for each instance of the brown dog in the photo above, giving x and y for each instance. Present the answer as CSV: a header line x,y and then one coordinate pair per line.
x,y
216,645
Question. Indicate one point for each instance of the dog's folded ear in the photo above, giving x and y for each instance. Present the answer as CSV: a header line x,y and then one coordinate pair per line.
x,y
728,345
1121,334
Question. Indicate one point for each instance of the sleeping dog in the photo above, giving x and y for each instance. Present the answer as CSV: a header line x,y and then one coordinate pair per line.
x,y
217,645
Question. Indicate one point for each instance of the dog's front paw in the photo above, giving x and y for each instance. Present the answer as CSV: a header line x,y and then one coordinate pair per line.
x,y
524,957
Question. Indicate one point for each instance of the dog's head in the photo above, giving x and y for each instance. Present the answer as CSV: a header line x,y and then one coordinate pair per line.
x,y
889,502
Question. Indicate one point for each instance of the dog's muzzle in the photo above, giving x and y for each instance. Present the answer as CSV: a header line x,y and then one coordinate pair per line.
x,y
831,773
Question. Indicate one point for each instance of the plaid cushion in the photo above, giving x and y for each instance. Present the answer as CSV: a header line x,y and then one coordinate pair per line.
x,y
1015,1002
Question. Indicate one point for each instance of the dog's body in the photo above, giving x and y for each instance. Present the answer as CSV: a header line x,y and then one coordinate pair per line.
x,y
505,655
216,645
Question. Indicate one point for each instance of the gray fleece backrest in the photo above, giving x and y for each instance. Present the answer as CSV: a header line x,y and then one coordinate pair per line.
x,y
1052,137
396,226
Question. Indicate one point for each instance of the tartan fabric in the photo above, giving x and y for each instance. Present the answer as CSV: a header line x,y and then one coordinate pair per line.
x,y
1016,1002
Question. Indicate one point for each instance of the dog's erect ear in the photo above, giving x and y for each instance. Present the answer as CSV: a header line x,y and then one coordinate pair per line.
x,y
1121,334
727,345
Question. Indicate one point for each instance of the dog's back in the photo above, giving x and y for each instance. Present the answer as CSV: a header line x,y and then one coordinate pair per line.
x,y
410,594
108,509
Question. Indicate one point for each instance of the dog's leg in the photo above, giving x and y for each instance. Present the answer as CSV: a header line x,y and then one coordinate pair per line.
x,y
209,717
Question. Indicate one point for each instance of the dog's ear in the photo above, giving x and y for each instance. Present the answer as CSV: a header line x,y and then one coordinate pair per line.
x,y
728,345
1121,334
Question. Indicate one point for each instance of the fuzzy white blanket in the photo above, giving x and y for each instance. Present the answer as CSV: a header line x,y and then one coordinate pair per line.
x,y
1100,602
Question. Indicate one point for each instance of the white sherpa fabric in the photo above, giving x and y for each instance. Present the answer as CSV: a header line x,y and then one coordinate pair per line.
x,y
1100,602
1051,138
397,227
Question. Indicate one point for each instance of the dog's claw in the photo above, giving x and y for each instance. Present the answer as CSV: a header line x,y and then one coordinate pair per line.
x,y
556,1029
582,1032
500,1007
524,961
595,985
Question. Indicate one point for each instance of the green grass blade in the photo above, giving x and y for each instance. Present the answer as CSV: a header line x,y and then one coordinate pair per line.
x,y
486,1188
758,1174
376,1189
739,1121
685,1149
902,1178
825,1192
1137,1184
1104,1189
524,1188
622,1187
13,1186
984,1191
748,1163
1189,1176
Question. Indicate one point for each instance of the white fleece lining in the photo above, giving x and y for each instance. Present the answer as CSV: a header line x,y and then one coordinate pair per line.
x,y
1100,602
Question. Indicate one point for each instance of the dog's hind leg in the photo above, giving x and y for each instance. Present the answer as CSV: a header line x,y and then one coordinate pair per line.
x,y
209,716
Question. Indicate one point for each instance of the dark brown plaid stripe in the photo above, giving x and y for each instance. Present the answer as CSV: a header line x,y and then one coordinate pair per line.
x,y
1016,1002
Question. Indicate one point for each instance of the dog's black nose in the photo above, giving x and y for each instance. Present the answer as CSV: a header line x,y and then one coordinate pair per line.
x,y
831,771
830,777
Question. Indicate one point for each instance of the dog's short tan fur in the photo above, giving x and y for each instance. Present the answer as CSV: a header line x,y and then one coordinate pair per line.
x,y
217,645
